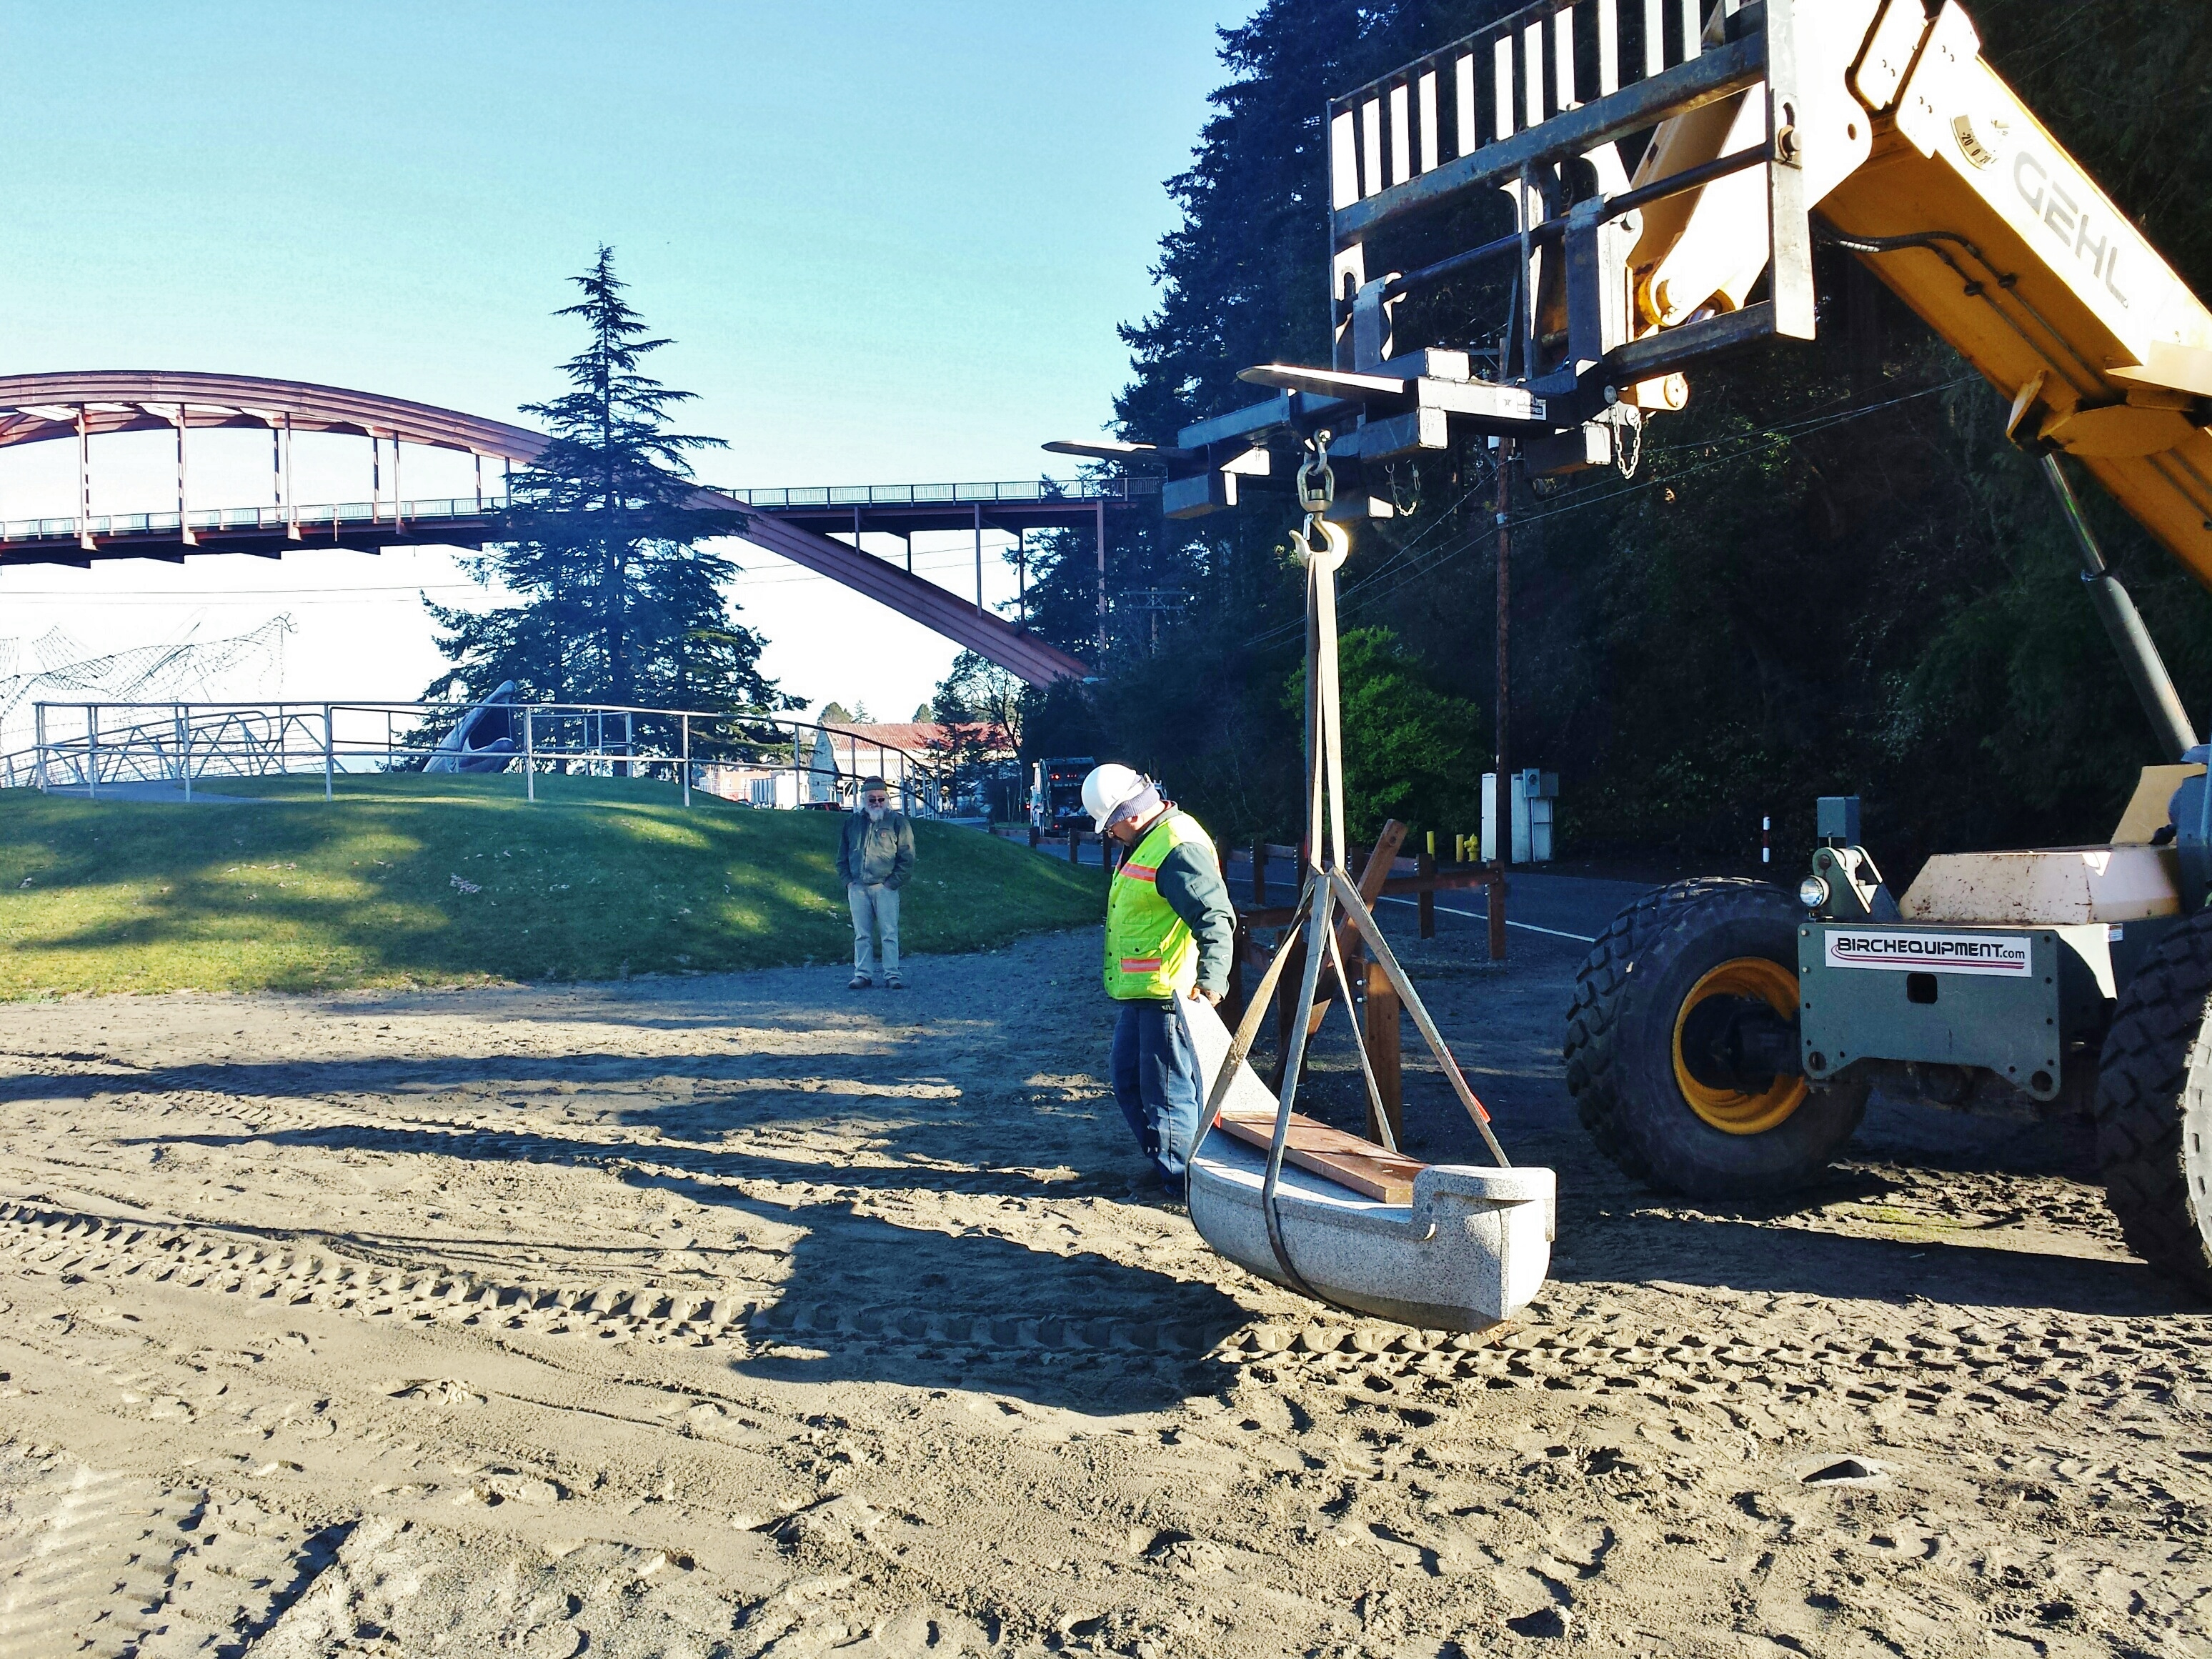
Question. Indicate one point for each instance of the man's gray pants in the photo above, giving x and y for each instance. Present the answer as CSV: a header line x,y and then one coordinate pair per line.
x,y
874,907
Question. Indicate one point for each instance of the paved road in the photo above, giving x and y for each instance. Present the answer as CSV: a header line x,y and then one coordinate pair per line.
x,y
1576,908
1572,907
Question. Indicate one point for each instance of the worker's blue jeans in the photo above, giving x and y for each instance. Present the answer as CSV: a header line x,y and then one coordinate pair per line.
x,y
1156,1081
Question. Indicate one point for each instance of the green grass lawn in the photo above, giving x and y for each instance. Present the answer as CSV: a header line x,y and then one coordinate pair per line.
x,y
599,878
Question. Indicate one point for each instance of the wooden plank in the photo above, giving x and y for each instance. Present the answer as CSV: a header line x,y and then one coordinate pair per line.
x,y
1334,1156
1383,1052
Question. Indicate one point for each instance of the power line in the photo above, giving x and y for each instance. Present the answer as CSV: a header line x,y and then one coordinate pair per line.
x,y
960,559
1749,444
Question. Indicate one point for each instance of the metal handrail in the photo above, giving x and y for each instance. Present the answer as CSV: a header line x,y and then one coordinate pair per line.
x,y
183,742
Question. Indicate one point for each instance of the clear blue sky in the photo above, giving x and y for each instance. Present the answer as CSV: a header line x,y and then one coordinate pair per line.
x,y
892,243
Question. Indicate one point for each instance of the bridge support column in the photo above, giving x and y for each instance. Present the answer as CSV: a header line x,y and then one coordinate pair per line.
x,y
184,494
979,558
279,463
83,481
1099,507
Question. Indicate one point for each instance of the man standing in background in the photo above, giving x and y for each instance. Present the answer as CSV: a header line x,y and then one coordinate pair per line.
x,y
875,856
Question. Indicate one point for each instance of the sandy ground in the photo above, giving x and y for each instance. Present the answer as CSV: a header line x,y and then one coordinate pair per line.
x,y
743,1315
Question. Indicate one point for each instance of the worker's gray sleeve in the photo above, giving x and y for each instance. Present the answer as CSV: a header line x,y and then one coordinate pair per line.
x,y
1194,890
902,865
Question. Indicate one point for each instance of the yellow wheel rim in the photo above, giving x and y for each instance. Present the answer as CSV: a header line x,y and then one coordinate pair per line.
x,y
1729,1110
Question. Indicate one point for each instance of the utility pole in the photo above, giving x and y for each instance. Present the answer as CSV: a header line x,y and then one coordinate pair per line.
x,y
1508,462
1099,508
1508,459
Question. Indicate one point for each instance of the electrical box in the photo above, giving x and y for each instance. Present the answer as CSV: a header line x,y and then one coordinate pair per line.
x,y
1532,796
1836,821
1533,791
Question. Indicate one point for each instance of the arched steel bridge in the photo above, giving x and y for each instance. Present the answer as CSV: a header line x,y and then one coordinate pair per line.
x,y
45,408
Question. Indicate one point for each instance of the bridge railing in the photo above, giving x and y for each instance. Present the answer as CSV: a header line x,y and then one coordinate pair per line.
x,y
328,517
938,495
760,759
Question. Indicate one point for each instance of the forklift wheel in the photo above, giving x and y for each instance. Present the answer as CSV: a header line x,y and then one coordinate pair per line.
x,y
1638,1063
2154,1107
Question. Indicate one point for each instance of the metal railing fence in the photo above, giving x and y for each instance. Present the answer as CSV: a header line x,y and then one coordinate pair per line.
x,y
91,747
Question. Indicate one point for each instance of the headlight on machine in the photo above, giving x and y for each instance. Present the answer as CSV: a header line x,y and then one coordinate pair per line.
x,y
1812,892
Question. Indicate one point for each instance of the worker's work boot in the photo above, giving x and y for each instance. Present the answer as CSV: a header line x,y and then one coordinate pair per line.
x,y
859,982
893,983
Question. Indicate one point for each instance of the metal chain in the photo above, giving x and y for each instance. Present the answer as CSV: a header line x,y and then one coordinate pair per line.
x,y
1627,439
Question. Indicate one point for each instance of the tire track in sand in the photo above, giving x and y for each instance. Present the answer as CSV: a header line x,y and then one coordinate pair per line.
x,y
2026,1365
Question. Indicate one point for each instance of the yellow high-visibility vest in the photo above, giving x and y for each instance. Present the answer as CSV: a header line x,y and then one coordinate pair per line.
x,y
1151,954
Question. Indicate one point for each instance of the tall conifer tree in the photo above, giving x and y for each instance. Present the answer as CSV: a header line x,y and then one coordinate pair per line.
x,y
617,601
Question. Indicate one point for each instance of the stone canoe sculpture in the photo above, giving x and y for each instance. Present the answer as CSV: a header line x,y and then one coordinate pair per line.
x,y
482,739
1467,1248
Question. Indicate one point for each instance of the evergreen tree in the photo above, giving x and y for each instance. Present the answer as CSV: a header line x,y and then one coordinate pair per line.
x,y
615,601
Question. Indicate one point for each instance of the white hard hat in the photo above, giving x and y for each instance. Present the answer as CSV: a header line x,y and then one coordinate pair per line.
x,y
1109,787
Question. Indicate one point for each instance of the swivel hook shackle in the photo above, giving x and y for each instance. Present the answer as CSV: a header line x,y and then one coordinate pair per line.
x,y
1319,542
1316,480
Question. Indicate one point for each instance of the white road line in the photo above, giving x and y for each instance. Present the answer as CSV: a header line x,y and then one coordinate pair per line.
x,y
1477,915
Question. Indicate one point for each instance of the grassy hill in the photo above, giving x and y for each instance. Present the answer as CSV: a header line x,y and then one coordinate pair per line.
x,y
413,880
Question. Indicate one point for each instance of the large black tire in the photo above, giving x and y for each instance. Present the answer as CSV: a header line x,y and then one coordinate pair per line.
x,y
2154,1107
1589,1048
1620,1035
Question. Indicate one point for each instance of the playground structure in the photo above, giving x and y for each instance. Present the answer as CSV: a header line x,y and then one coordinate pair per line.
x,y
180,669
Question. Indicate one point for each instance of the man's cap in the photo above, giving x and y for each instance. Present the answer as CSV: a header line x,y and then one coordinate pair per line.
x,y
869,785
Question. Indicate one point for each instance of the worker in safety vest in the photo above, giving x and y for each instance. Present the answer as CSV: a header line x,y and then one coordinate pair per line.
x,y
1170,929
